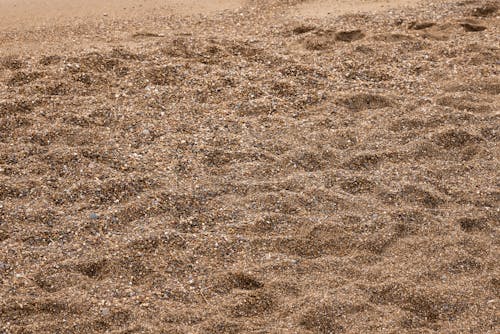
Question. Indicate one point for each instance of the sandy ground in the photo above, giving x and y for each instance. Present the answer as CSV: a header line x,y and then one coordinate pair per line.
x,y
322,8
256,167
29,13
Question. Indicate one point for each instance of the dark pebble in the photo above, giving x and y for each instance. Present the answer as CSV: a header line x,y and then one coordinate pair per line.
x,y
4,266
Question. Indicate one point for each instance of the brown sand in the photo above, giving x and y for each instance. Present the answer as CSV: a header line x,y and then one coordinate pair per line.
x,y
322,8
254,170
22,13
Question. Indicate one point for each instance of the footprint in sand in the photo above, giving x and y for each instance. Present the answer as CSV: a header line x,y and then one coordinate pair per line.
x,y
469,27
349,36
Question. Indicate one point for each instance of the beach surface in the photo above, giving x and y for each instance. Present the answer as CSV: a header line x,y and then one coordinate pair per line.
x,y
31,13
260,166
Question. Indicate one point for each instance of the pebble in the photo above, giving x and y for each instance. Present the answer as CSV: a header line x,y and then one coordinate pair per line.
x,y
4,266
94,215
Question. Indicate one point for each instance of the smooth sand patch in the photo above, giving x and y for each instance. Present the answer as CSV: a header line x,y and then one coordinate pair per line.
x,y
29,13
322,8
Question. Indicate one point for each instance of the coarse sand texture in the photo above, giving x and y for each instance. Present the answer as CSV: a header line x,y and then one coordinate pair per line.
x,y
258,166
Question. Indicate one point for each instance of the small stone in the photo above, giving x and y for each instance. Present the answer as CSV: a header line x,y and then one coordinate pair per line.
x,y
105,311
4,266
94,215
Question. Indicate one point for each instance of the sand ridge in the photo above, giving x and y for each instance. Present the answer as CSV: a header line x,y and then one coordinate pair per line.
x,y
252,171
